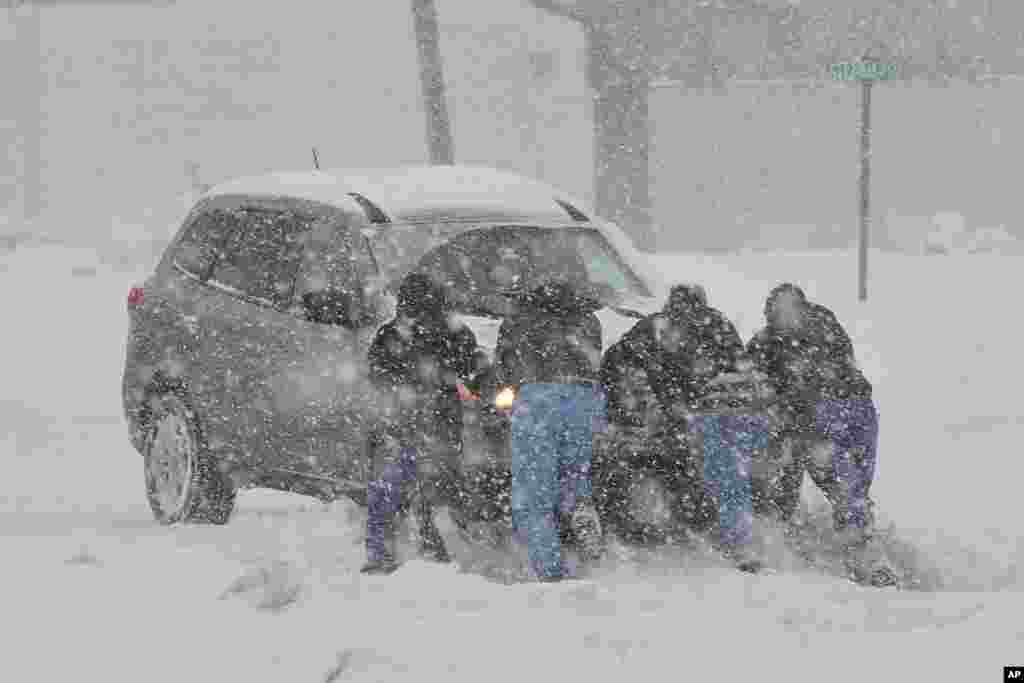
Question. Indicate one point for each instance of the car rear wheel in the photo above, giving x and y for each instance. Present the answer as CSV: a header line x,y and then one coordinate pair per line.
x,y
182,482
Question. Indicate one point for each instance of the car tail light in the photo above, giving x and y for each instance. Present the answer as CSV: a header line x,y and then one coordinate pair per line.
x,y
135,296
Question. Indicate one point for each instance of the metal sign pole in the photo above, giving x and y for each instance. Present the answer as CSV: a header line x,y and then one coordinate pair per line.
x,y
865,186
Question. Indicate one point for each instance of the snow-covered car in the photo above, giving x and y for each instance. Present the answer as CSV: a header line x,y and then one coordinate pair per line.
x,y
245,363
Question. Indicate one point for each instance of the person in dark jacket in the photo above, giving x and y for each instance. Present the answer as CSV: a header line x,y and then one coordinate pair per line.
x,y
653,346
548,354
826,401
696,365
418,362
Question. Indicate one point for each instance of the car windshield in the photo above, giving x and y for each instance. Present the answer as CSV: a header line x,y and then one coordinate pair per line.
x,y
479,265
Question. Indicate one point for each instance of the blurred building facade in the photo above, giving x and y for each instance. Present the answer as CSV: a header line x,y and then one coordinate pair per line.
x,y
749,141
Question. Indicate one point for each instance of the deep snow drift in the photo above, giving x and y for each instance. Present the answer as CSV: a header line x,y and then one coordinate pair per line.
x,y
93,589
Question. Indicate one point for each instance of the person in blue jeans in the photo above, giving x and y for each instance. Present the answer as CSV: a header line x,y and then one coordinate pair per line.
x,y
830,415
724,405
696,367
548,354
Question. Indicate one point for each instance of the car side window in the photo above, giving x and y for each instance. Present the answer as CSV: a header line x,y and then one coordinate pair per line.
x,y
331,260
263,255
600,266
202,246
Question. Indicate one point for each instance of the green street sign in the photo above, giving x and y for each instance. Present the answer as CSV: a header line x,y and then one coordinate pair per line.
x,y
863,71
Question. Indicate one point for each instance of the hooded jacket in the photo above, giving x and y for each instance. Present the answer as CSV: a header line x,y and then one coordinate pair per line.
x,y
709,373
553,336
638,349
813,363
418,359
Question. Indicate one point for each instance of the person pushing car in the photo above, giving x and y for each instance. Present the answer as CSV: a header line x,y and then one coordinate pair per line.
x,y
417,361
548,353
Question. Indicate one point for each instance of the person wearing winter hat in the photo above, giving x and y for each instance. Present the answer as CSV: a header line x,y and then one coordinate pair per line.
x,y
829,411
695,365
547,358
727,406
417,361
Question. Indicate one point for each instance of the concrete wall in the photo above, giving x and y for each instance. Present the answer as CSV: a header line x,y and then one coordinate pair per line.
x,y
126,102
777,165
516,83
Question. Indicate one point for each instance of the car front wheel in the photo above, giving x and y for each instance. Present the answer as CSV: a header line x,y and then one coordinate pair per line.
x,y
182,482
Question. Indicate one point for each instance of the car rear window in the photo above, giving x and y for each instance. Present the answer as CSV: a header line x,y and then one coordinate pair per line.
x,y
480,266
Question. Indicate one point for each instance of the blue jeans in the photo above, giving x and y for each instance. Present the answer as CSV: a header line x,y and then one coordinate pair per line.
x,y
552,447
852,427
729,444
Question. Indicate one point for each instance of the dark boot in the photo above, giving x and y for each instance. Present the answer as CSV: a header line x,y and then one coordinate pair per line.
x,y
865,559
381,567
744,559
880,576
749,566
586,527
869,568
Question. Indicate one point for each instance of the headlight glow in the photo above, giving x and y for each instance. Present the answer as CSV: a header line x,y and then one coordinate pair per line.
x,y
505,398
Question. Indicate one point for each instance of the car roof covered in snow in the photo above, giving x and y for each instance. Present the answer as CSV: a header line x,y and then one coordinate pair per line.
x,y
420,193
431,194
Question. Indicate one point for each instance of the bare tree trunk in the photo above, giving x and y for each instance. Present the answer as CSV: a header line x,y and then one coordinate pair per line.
x,y
428,43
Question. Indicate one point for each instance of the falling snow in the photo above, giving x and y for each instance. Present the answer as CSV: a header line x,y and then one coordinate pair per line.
x,y
715,137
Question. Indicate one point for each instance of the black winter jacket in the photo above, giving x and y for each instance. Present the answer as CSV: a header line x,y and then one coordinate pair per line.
x,y
811,364
543,348
554,336
638,349
722,377
706,375
417,367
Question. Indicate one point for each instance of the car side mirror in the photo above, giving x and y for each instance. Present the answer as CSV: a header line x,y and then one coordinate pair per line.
x,y
334,307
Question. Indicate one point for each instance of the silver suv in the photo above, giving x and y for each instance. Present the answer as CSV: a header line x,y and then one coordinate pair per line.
x,y
246,355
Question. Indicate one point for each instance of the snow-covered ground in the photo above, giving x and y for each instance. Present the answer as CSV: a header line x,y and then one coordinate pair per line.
x,y
93,589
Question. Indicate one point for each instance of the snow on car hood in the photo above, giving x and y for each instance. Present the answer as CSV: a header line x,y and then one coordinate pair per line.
x,y
616,320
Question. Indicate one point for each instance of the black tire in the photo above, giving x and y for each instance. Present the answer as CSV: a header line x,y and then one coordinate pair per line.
x,y
199,493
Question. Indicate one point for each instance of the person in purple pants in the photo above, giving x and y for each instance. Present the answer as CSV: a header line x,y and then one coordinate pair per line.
x,y
417,362
827,406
